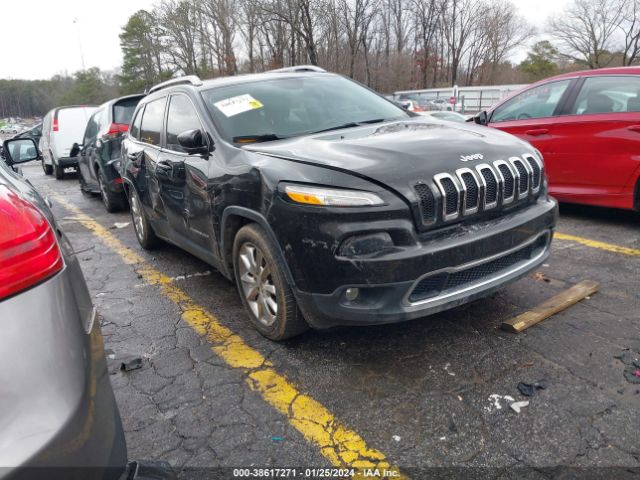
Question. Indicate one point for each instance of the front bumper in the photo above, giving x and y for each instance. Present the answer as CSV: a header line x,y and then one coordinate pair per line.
x,y
443,270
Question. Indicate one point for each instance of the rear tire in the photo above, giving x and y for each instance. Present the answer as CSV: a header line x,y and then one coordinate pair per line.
x,y
265,293
113,202
144,231
48,169
58,170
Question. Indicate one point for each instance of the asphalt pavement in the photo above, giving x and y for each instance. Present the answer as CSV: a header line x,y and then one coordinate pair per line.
x,y
435,392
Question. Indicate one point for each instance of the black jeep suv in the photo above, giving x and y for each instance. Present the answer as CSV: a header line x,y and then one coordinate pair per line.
x,y
330,205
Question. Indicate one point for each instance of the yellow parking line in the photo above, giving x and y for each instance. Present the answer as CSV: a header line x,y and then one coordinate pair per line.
x,y
340,445
609,247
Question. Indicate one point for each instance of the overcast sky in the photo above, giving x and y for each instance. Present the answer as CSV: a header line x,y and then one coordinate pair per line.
x,y
40,38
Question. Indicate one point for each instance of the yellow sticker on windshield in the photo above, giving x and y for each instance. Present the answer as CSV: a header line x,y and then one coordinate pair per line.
x,y
236,105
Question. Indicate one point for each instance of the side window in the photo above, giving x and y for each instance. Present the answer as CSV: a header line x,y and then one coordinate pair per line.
x,y
537,102
608,95
152,122
135,126
182,117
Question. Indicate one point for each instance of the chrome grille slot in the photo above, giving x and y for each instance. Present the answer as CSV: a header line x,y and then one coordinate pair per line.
x,y
536,169
470,191
490,185
507,181
523,177
450,196
427,203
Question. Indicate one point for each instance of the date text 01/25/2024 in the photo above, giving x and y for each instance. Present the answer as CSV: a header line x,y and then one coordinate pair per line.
x,y
341,473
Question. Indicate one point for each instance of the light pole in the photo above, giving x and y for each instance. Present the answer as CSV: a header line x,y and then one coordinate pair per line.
x,y
76,22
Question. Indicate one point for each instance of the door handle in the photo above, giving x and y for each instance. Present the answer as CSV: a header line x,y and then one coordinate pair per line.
x,y
634,128
133,157
537,132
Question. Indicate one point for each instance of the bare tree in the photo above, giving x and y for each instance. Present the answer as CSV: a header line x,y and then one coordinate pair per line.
x,y
629,26
586,30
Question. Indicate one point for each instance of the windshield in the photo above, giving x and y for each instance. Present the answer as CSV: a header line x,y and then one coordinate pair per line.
x,y
281,108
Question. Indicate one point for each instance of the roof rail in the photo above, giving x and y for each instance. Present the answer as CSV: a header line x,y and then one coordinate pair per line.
x,y
299,68
187,80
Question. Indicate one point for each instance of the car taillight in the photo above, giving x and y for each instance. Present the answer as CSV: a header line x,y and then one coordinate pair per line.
x,y
116,128
29,252
56,125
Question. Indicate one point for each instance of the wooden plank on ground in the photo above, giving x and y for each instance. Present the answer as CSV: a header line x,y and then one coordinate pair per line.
x,y
552,306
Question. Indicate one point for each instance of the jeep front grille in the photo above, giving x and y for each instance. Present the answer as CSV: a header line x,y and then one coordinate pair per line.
x,y
475,190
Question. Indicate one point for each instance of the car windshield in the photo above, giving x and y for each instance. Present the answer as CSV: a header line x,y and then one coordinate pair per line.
x,y
281,108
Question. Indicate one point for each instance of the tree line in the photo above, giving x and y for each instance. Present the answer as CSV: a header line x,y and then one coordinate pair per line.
x,y
29,98
387,44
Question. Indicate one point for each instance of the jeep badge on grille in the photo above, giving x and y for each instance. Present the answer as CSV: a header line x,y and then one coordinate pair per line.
x,y
468,158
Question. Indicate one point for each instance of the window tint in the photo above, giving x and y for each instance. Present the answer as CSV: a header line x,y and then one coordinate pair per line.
x,y
152,122
608,95
182,117
538,102
135,127
123,110
258,111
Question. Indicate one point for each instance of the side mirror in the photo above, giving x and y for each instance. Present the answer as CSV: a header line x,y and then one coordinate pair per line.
x,y
20,150
193,142
75,150
481,118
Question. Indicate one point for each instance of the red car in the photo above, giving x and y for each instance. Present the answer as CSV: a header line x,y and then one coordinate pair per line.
x,y
587,126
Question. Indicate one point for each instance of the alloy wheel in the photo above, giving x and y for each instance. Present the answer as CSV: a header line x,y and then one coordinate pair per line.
x,y
103,191
257,284
136,213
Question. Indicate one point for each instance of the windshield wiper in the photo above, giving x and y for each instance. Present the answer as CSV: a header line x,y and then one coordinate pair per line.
x,y
265,137
350,125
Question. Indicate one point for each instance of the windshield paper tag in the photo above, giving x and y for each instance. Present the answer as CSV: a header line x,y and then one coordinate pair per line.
x,y
236,105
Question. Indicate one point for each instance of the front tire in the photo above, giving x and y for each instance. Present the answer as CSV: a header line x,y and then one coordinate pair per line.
x,y
144,231
48,169
83,185
265,293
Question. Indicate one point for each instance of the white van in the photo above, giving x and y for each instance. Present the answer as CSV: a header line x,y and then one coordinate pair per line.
x,y
61,128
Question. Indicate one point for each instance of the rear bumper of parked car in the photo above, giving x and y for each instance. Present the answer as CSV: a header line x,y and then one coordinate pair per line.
x,y
68,162
57,411
438,273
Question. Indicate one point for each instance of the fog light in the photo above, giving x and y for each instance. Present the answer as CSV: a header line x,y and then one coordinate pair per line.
x,y
352,293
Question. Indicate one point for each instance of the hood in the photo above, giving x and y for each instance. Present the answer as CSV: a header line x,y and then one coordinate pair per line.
x,y
397,154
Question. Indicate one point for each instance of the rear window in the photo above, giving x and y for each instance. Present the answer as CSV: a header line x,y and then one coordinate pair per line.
x,y
124,109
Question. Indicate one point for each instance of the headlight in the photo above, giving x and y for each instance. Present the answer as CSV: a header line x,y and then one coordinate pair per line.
x,y
331,197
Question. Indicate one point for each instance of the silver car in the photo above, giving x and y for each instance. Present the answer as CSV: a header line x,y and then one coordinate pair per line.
x,y
57,407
